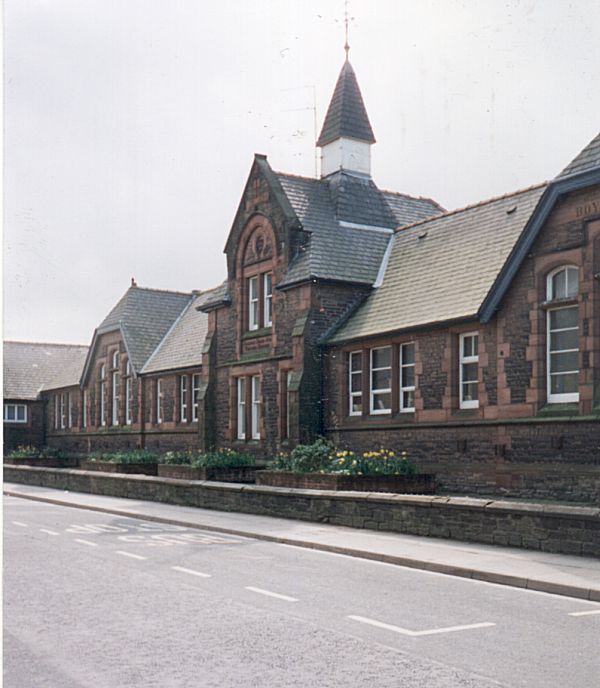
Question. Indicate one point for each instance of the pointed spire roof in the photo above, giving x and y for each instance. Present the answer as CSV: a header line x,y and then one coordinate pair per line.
x,y
586,160
346,116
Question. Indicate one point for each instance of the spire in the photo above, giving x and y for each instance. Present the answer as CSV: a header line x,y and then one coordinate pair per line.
x,y
346,116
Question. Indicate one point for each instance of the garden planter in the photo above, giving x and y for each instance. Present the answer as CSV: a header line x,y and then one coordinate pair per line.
x,y
41,462
109,467
422,483
239,474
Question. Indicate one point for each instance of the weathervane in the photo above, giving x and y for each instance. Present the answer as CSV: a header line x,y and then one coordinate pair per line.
x,y
347,45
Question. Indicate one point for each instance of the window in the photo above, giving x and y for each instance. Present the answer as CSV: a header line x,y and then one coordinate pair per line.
x,y
70,409
256,405
407,377
63,415
381,380
159,401
195,397
469,370
115,388
288,380
56,411
84,411
128,393
102,395
253,314
563,337
183,398
355,383
241,408
15,413
268,298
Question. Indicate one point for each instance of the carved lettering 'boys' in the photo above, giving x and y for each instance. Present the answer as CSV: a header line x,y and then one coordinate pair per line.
x,y
587,209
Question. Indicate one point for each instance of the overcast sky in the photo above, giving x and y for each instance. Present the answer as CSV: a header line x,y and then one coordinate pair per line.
x,y
130,125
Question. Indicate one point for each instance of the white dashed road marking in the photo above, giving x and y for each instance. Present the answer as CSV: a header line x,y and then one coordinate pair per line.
x,y
191,572
414,634
20,523
587,613
48,532
86,542
129,554
287,598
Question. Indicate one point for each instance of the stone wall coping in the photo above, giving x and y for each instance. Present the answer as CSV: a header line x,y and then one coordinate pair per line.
x,y
478,504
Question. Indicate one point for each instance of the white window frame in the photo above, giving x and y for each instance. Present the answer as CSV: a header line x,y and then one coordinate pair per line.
x,y
373,392
241,408
84,401
195,395
183,398
352,395
15,408
63,413
268,298
466,360
128,389
115,397
253,301
404,387
566,397
70,409
256,406
102,395
159,400
56,411
288,380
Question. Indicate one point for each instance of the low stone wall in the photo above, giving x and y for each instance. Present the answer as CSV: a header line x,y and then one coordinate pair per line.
x,y
551,528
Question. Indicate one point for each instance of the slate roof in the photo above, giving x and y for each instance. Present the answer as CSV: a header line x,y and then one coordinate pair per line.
x,y
144,316
335,250
442,269
30,367
346,115
182,345
588,159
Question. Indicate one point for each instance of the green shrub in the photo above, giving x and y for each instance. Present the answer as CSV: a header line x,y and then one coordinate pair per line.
x,y
223,458
135,456
178,458
306,458
30,452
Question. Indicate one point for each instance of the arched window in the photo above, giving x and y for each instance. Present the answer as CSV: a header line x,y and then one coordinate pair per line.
x,y
562,288
115,388
102,395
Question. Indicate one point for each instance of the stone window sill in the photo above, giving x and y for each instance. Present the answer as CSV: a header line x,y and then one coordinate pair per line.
x,y
252,334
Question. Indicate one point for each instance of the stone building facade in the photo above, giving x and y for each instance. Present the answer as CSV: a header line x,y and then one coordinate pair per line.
x,y
469,338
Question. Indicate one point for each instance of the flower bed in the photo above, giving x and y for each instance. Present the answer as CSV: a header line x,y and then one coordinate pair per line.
x,y
421,483
321,466
138,461
46,457
225,465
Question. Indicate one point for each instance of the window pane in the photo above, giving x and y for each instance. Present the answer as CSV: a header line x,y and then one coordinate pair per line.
x,y
559,285
381,357
382,401
572,282
564,384
568,339
562,363
357,404
20,413
381,379
470,391
408,376
355,362
356,382
10,412
408,353
564,318
408,400
469,372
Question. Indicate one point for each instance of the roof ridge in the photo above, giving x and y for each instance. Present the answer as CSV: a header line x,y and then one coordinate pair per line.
x,y
30,343
411,196
297,176
162,291
470,206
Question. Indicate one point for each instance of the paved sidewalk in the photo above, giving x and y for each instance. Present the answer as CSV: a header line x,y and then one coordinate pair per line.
x,y
555,573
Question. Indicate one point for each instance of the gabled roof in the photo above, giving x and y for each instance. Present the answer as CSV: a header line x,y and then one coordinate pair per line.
x,y
144,316
346,115
30,367
442,269
349,222
182,345
588,159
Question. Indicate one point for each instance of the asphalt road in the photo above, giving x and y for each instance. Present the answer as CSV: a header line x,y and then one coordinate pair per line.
x,y
96,601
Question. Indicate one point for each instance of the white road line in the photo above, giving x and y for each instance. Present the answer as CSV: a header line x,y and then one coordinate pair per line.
x,y
587,613
20,523
287,598
415,634
129,554
191,572
86,542
49,532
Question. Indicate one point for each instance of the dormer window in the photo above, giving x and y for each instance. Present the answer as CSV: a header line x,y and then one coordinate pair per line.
x,y
562,344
